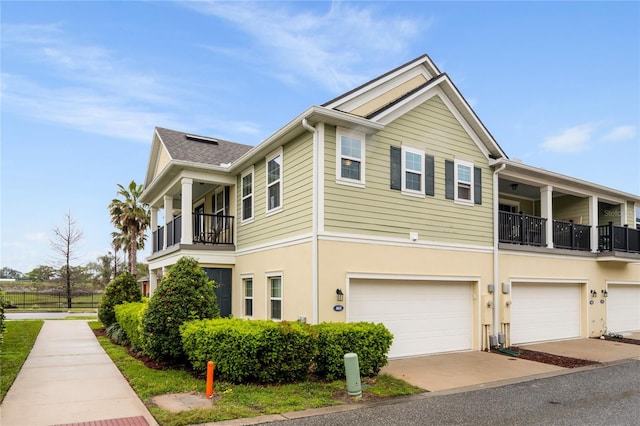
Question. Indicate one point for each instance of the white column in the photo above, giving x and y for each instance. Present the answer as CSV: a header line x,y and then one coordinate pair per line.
x,y
593,221
153,281
546,210
168,217
187,216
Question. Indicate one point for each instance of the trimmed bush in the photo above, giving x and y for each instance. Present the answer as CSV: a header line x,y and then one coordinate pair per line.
x,y
122,289
246,351
129,318
117,335
185,294
371,342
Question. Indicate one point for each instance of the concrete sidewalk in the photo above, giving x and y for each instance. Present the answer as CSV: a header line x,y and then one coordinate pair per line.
x,y
68,378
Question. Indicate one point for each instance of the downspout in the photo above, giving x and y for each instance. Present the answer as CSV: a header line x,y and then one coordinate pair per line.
x,y
496,266
314,222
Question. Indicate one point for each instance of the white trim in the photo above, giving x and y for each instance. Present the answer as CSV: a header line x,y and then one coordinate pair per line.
x,y
567,254
361,137
321,165
620,282
403,165
280,181
508,202
249,171
412,277
286,242
401,242
459,162
581,281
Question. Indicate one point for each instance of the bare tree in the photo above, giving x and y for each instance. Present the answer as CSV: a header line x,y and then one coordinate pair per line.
x,y
63,244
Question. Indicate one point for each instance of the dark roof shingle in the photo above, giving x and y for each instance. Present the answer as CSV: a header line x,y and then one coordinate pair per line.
x,y
203,151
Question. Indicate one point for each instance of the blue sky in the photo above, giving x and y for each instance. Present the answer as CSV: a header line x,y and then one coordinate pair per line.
x,y
85,83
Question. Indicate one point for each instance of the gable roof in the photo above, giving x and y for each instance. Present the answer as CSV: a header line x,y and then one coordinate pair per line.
x,y
200,149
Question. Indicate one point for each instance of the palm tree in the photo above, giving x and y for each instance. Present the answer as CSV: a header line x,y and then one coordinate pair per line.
x,y
131,218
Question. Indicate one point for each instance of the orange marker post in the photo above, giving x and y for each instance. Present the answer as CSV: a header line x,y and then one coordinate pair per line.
x,y
209,379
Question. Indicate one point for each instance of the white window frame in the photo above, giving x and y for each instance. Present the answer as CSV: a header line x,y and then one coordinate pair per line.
x,y
340,132
456,181
269,298
407,149
244,279
269,158
243,197
636,211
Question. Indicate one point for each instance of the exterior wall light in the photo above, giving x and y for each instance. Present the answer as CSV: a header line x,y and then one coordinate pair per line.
x,y
594,293
605,293
339,295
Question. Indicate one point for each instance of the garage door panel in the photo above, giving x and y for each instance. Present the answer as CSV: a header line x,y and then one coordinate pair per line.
x,y
623,308
424,317
541,312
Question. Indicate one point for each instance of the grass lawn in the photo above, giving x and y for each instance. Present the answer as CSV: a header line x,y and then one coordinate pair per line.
x,y
19,337
239,401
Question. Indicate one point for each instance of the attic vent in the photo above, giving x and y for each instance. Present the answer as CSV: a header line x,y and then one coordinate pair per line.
x,y
202,139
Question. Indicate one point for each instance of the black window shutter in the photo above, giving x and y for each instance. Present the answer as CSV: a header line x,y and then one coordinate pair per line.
x,y
226,200
396,168
477,185
429,185
448,179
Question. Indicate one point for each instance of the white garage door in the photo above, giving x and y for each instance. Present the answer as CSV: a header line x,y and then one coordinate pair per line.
x,y
623,308
424,317
541,312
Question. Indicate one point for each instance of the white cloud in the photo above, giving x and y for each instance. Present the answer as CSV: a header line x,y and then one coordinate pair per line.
x,y
571,140
90,90
621,133
338,49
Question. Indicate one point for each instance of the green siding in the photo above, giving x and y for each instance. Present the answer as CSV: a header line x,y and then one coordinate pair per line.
x,y
295,218
608,213
631,214
569,207
377,210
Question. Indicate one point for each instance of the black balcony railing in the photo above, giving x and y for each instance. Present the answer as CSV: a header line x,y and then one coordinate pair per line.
x,y
212,229
207,229
521,228
569,235
618,238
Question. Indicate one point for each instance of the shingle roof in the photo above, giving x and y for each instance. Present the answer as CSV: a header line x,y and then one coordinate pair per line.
x,y
200,149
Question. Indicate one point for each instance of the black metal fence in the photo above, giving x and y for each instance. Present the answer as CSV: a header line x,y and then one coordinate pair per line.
x,y
572,236
521,228
618,238
50,300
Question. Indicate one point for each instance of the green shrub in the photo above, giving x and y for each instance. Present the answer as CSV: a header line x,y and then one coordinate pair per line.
x,y
129,318
117,334
122,289
242,351
371,342
184,294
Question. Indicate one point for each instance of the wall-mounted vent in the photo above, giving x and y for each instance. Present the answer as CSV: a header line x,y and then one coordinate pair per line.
x,y
202,139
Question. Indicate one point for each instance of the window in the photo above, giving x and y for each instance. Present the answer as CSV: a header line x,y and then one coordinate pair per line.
x,y
248,297
219,209
247,195
464,182
198,221
275,298
274,182
637,217
412,174
350,157
412,171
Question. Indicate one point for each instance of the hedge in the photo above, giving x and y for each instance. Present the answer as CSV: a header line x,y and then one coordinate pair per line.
x,y
251,350
123,288
129,317
371,342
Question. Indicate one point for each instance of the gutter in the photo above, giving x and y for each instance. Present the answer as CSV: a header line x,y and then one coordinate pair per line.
x,y
314,222
496,265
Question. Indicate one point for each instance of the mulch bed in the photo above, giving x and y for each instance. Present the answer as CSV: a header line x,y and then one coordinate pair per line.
x,y
558,360
621,340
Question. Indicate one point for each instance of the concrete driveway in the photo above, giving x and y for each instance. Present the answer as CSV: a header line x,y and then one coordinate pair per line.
x,y
463,369
591,349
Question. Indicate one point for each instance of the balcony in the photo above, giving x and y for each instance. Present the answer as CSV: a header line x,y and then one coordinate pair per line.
x,y
526,230
216,231
612,238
